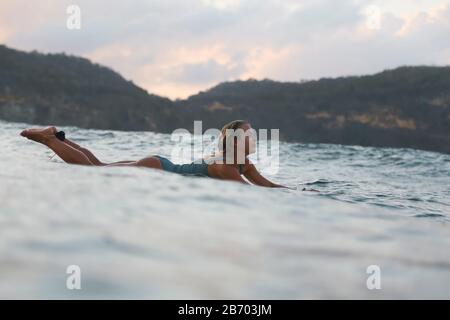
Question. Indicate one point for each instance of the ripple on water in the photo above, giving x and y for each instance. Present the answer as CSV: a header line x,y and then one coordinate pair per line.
x,y
153,234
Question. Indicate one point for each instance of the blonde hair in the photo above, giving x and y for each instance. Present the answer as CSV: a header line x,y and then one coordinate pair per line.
x,y
227,129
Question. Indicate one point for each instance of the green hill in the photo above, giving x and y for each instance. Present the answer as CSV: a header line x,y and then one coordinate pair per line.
x,y
67,90
405,107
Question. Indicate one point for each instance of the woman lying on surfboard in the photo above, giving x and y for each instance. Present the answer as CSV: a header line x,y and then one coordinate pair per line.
x,y
219,166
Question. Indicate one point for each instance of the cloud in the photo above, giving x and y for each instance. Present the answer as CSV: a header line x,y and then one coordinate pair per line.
x,y
178,47
364,50
204,72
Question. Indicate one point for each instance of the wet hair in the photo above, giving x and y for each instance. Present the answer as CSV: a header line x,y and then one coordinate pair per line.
x,y
233,125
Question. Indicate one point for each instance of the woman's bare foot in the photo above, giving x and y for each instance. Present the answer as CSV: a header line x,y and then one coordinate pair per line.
x,y
39,135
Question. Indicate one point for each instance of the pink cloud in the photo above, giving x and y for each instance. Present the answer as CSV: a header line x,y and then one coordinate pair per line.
x,y
176,48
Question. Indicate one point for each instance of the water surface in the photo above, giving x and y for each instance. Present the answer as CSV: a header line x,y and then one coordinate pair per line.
x,y
143,233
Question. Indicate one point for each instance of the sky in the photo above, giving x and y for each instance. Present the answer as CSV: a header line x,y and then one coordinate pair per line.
x,y
176,48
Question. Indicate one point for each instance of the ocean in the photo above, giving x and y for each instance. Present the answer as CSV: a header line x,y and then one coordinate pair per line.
x,y
144,233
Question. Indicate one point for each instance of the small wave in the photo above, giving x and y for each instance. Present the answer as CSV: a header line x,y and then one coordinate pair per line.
x,y
317,182
429,215
415,199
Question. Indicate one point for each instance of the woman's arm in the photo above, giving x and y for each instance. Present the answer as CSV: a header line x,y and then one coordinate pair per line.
x,y
252,174
231,173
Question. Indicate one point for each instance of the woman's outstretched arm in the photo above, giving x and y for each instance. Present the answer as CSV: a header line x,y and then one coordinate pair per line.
x,y
252,174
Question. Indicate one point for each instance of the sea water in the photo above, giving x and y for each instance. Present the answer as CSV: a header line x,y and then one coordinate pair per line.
x,y
145,233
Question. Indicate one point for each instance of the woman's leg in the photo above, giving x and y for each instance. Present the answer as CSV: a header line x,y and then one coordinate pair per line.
x,y
64,151
86,152
149,162
72,153
90,155
68,153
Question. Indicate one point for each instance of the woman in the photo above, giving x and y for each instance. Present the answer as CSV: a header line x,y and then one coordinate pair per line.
x,y
222,166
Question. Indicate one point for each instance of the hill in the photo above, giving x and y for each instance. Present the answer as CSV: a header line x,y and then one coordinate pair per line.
x,y
404,107
67,90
